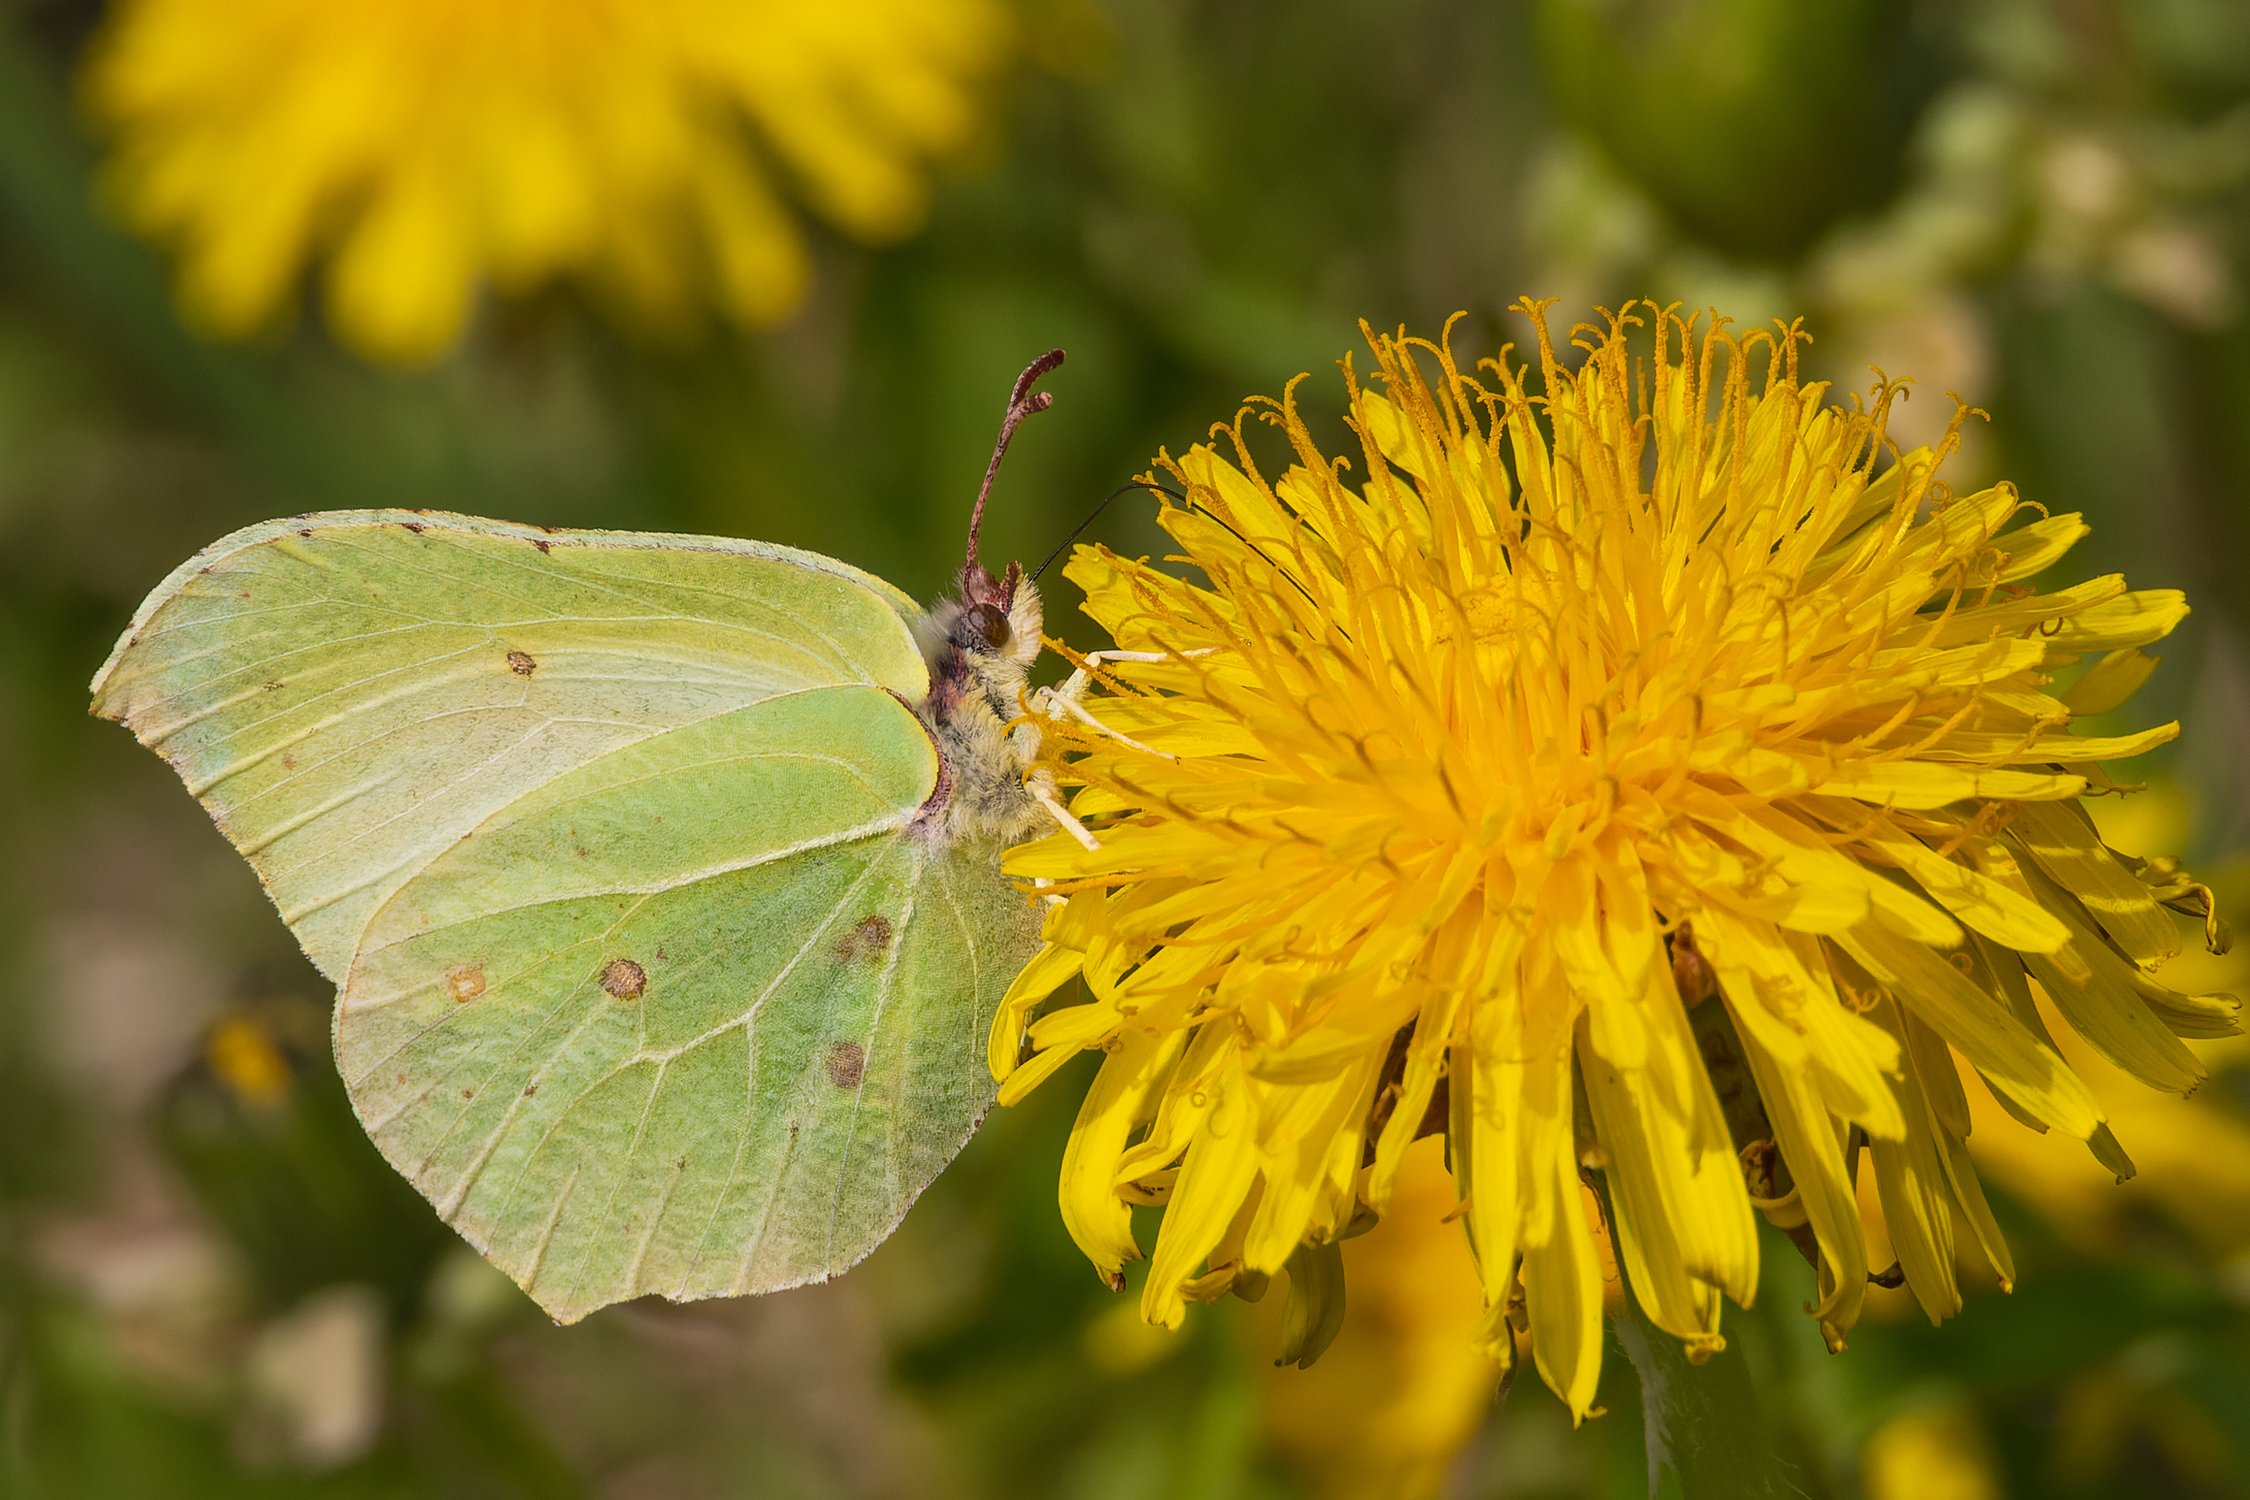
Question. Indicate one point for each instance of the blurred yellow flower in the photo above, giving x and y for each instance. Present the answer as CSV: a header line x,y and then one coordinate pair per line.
x,y
1644,767
1400,1392
426,147
1930,1453
241,1053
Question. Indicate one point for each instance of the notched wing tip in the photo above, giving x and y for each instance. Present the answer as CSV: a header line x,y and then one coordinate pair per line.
x,y
563,1315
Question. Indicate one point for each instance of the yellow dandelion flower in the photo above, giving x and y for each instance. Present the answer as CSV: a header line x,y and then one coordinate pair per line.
x,y
1641,769
427,147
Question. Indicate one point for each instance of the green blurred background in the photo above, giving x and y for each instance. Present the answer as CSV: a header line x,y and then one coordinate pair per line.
x,y
211,1285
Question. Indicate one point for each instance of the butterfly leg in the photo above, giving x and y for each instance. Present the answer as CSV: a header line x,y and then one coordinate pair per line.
x,y
1074,687
1077,710
1066,701
1046,798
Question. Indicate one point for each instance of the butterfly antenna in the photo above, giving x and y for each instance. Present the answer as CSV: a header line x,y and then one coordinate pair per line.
x,y
1095,514
1023,401
1200,509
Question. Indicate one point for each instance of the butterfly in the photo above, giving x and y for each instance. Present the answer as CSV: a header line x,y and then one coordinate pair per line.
x,y
658,876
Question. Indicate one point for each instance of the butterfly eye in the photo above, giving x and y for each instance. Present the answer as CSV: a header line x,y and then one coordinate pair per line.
x,y
991,623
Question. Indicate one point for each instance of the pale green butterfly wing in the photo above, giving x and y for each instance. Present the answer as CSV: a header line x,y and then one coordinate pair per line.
x,y
651,979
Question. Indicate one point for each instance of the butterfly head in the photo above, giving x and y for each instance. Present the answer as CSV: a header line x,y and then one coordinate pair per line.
x,y
999,617
980,646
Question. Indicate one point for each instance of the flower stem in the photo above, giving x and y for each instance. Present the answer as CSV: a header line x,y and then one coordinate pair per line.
x,y
1706,1437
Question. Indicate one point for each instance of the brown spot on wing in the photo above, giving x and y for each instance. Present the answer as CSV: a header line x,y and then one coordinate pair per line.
x,y
624,979
414,526
542,544
465,983
868,938
847,1064
520,663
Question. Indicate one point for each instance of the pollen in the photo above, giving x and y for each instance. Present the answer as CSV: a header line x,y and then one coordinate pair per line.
x,y
1627,764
